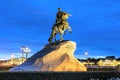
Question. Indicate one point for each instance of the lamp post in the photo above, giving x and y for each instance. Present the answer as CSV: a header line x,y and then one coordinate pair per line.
x,y
12,57
22,51
86,54
25,50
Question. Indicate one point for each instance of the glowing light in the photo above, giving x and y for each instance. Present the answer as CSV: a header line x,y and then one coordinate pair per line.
x,y
86,53
12,56
25,49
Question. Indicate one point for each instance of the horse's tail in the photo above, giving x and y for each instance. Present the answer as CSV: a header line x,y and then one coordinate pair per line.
x,y
51,37
53,33
50,40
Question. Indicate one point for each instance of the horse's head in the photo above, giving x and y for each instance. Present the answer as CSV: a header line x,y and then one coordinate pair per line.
x,y
65,15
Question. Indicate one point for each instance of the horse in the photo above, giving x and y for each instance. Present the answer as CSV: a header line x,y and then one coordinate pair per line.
x,y
59,28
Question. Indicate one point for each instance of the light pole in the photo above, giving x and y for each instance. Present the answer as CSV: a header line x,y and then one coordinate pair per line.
x,y
22,51
25,50
12,57
86,54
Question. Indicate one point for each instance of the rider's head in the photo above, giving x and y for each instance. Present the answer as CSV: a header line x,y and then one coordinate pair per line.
x,y
59,9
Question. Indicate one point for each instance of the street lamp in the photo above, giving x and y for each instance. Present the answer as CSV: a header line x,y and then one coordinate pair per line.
x,y
22,51
86,54
25,50
12,57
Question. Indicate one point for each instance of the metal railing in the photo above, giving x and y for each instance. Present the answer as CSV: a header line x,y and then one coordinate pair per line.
x,y
60,75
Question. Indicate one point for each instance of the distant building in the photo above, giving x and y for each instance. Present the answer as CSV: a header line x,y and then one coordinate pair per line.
x,y
87,62
12,62
108,62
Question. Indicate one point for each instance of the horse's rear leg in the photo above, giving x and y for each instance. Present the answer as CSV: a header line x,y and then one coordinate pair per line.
x,y
51,37
61,38
55,37
50,40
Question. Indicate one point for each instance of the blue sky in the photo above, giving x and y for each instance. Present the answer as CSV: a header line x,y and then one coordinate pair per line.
x,y
95,25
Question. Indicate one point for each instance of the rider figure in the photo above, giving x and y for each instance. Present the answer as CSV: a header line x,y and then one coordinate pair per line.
x,y
60,17
60,24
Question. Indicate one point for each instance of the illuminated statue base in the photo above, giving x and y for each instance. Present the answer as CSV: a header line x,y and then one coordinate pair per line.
x,y
58,56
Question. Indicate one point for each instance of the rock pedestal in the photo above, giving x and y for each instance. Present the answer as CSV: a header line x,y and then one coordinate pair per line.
x,y
53,57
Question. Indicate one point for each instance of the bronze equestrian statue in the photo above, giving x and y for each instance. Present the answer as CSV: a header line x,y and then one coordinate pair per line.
x,y
60,26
